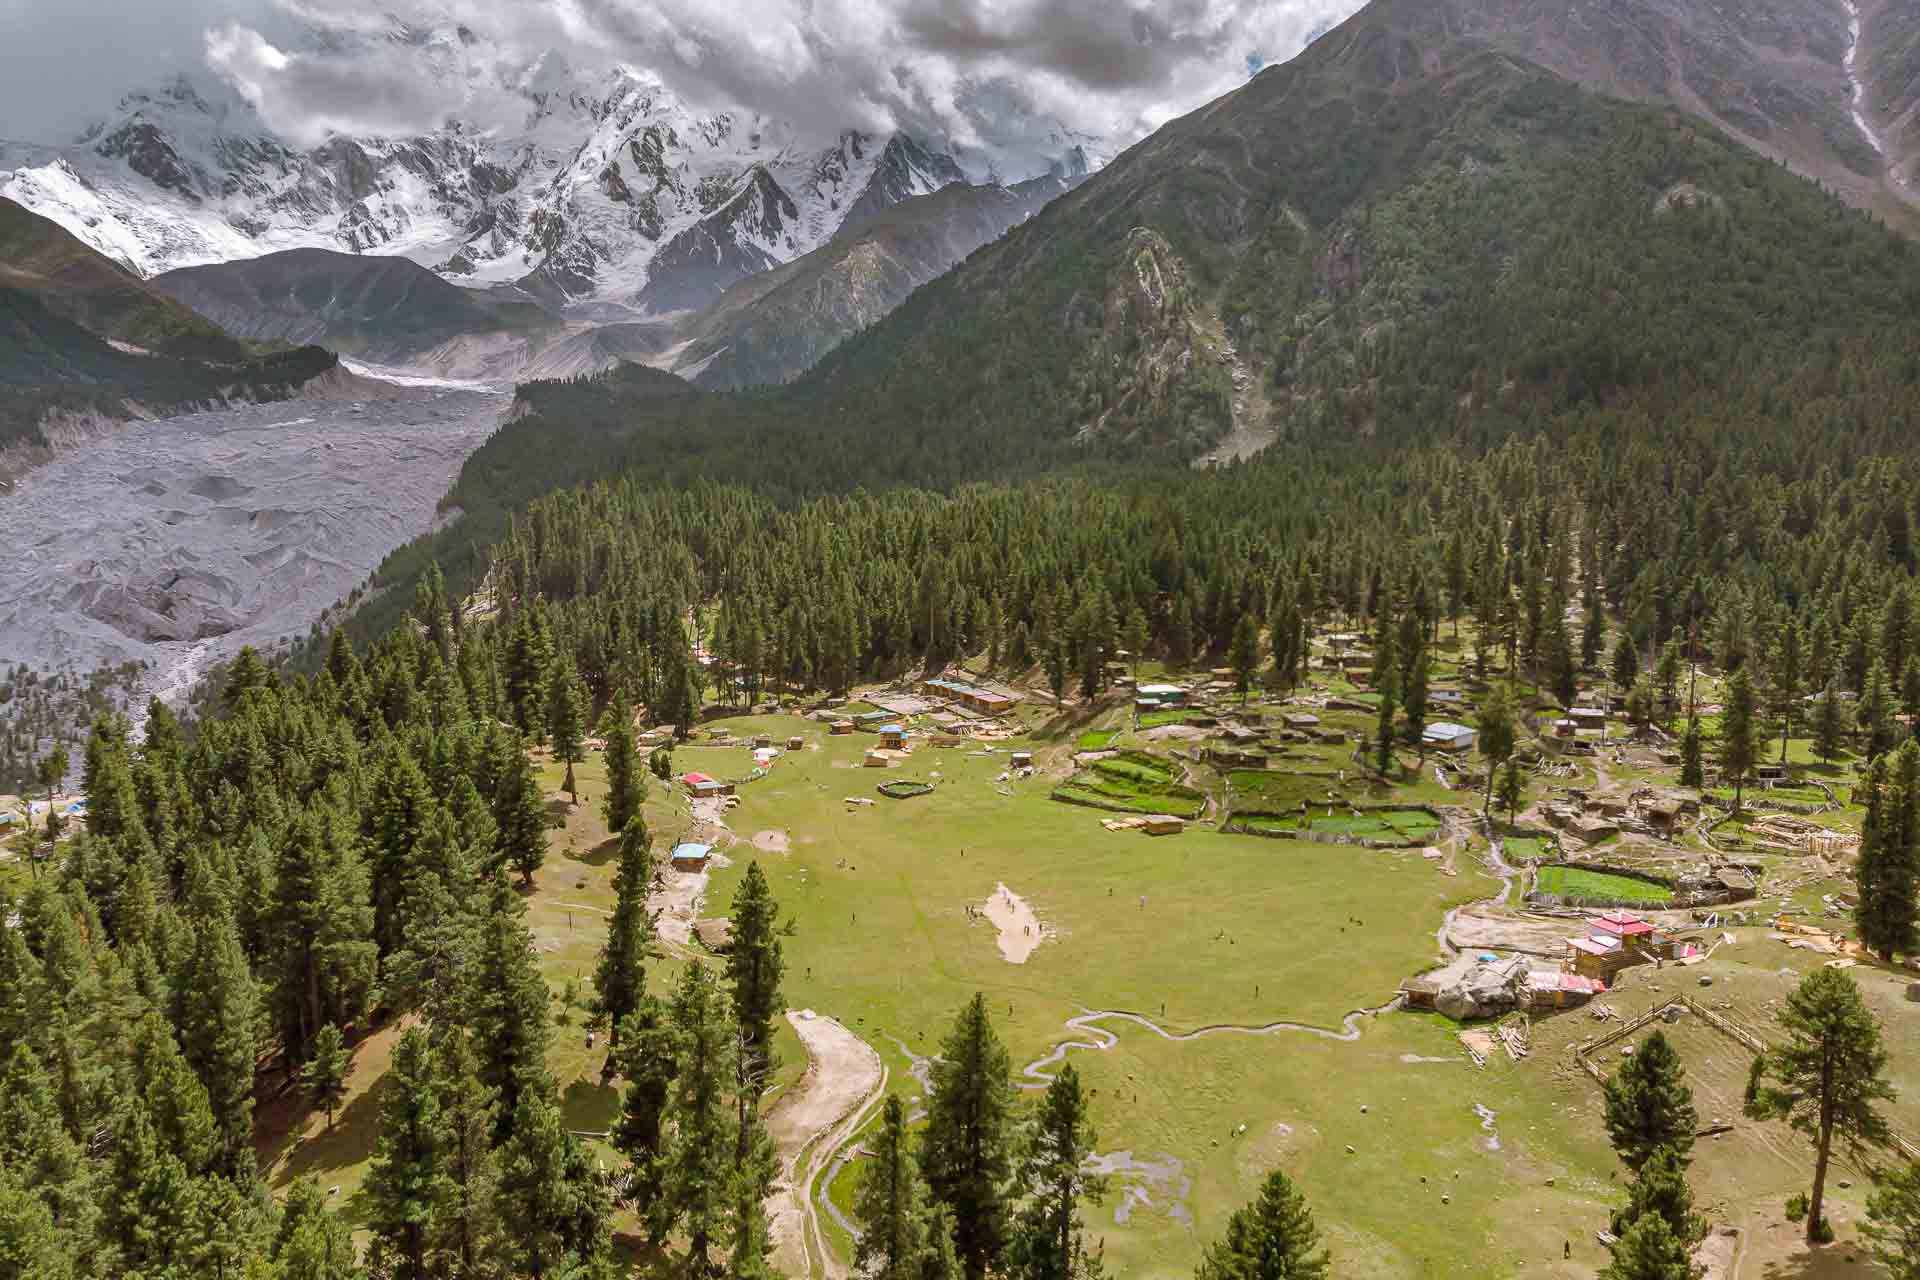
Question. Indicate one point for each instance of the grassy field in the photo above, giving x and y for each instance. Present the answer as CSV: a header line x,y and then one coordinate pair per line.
x,y
1192,931
1601,888
1182,930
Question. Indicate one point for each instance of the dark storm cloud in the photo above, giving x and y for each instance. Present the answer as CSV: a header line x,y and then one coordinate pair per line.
x,y
1001,75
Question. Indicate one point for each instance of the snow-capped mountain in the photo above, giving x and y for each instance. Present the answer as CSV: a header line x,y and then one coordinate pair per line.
x,y
612,191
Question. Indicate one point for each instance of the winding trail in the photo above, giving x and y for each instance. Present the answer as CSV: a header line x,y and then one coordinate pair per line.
x,y
1497,864
809,1125
1035,1073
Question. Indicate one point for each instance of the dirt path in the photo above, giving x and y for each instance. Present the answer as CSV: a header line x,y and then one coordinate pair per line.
x,y
1019,926
1035,1074
676,900
809,1123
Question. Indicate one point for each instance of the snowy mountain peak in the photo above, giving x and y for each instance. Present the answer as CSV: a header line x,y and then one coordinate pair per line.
x,y
611,189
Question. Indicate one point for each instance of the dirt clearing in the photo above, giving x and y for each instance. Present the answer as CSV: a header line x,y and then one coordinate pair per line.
x,y
1020,928
771,841
676,897
808,1123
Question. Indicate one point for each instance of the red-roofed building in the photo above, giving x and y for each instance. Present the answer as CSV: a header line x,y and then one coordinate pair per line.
x,y
1621,925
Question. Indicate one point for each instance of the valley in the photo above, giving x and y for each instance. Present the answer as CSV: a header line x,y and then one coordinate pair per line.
x,y
636,676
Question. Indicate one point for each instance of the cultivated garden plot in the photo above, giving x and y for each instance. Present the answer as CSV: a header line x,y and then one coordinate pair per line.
x,y
1584,887
1133,782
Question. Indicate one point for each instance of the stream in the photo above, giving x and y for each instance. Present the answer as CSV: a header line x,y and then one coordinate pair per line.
x,y
1859,87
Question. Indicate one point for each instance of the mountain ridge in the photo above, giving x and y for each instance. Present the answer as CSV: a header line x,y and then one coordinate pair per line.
x,y
611,191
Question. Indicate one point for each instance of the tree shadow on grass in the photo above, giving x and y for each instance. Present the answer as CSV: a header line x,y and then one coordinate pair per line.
x,y
356,1129
1824,1262
607,851
589,1107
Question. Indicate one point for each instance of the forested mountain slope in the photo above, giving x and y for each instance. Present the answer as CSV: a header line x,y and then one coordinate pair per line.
x,y
1402,231
39,257
50,365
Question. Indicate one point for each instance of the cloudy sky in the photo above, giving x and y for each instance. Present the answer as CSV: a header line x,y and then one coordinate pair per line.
x,y
979,72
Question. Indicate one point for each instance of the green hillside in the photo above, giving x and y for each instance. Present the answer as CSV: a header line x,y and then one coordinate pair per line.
x,y
40,257
48,363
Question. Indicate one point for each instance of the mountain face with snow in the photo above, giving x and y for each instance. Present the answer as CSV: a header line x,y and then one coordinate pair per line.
x,y
612,196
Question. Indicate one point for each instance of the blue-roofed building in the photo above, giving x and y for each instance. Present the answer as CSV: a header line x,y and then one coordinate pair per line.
x,y
1445,735
691,856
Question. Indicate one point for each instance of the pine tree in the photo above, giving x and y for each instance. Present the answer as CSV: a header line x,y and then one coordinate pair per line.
x,y
1625,667
1739,735
31,1247
1647,1105
1876,710
557,1210
1828,1077
519,816
468,1221
620,979
1593,632
322,927
401,810
1562,673
966,1153
218,1029
509,1014
697,1163
749,1255
312,1244
175,1100
649,1058
1650,1251
1273,1238
754,969
1414,703
1244,653
1786,676
566,720
1887,872
407,1186
940,1260
1135,637
1512,787
1660,1187
528,660
149,1198
626,784
1047,1243
1383,725
1829,724
889,1204
324,1078
1496,735
1693,771
1893,1221
247,673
